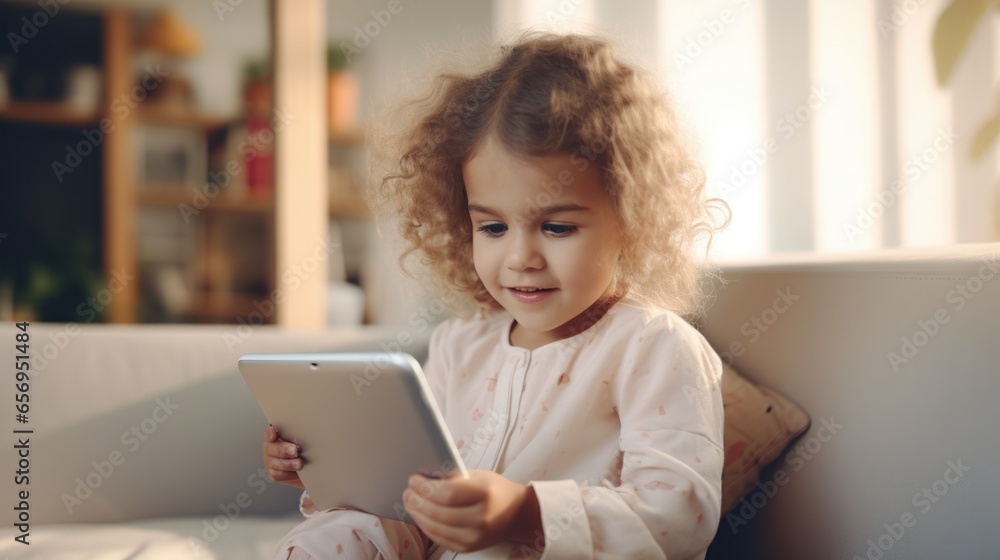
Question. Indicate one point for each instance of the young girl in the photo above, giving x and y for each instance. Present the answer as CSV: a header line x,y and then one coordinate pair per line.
x,y
555,207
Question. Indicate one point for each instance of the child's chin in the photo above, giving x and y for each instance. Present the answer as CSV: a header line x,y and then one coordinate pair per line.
x,y
539,327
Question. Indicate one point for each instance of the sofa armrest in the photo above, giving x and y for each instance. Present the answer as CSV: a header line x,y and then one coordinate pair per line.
x,y
894,356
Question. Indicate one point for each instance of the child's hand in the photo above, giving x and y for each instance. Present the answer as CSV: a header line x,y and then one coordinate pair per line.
x,y
470,514
281,459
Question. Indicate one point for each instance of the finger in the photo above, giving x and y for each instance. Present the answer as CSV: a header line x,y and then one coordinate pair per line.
x,y
270,434
461,516
454,538
279,464
447,492
286,479
282,449
282,476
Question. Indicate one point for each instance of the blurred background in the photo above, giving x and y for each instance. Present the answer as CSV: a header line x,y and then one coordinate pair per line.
x,y
140,141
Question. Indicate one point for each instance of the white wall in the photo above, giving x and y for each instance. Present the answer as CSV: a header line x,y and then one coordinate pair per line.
x,y
397,50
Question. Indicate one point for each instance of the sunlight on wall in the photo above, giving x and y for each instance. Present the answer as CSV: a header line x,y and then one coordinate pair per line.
x,y
712,54
847,137
821,123
926,157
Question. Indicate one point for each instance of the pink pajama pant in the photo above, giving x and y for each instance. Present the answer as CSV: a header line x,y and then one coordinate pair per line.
x,y
351,534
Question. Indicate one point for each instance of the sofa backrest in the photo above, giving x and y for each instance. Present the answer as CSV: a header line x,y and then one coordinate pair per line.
x,y
146,421
896,357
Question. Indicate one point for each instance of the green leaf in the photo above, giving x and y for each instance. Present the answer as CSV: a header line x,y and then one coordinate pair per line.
x,y
985,136
952,33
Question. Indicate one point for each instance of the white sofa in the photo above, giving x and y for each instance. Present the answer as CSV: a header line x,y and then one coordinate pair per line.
x,y
147,443
187,482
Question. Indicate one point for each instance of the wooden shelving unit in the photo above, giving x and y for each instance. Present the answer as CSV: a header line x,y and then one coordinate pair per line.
x,y
345,199
122,207
47,112
176,118
119,187
125,197
173,197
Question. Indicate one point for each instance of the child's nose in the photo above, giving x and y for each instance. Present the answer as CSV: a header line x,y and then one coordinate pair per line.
x,y
523,253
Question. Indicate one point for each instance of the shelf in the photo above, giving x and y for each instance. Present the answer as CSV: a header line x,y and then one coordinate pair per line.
x,y
223,306
347,139
173,196
161,116
347,205
48,112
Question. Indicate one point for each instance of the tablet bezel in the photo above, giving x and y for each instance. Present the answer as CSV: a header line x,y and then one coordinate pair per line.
x,y
301,393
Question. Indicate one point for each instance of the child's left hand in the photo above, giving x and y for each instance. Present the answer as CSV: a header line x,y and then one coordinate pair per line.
x,y
470,514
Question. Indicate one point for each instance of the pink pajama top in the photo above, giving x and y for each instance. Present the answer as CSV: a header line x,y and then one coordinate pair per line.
x,y
618,429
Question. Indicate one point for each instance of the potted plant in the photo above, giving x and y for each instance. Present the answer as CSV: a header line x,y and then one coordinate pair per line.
x,y
952,32
257,86
342,91
258,97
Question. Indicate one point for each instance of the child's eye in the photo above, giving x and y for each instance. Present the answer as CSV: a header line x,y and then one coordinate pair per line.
x,y
492,230
560,230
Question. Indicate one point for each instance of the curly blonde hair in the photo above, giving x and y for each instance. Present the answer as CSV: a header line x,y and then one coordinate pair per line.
x,y
545,94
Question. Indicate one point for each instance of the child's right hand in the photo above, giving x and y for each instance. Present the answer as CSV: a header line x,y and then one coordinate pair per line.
x,y
281,459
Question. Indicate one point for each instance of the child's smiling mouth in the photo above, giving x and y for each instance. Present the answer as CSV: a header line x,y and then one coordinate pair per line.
x,y
526,294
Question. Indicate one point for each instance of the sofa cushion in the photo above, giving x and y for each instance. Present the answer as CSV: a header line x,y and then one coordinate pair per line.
x,y
143,421
196,538
759,424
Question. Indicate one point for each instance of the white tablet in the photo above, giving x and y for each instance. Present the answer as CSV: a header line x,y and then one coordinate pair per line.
x,y
365,422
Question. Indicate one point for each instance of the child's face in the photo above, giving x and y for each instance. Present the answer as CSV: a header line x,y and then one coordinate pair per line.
x,y
541,222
